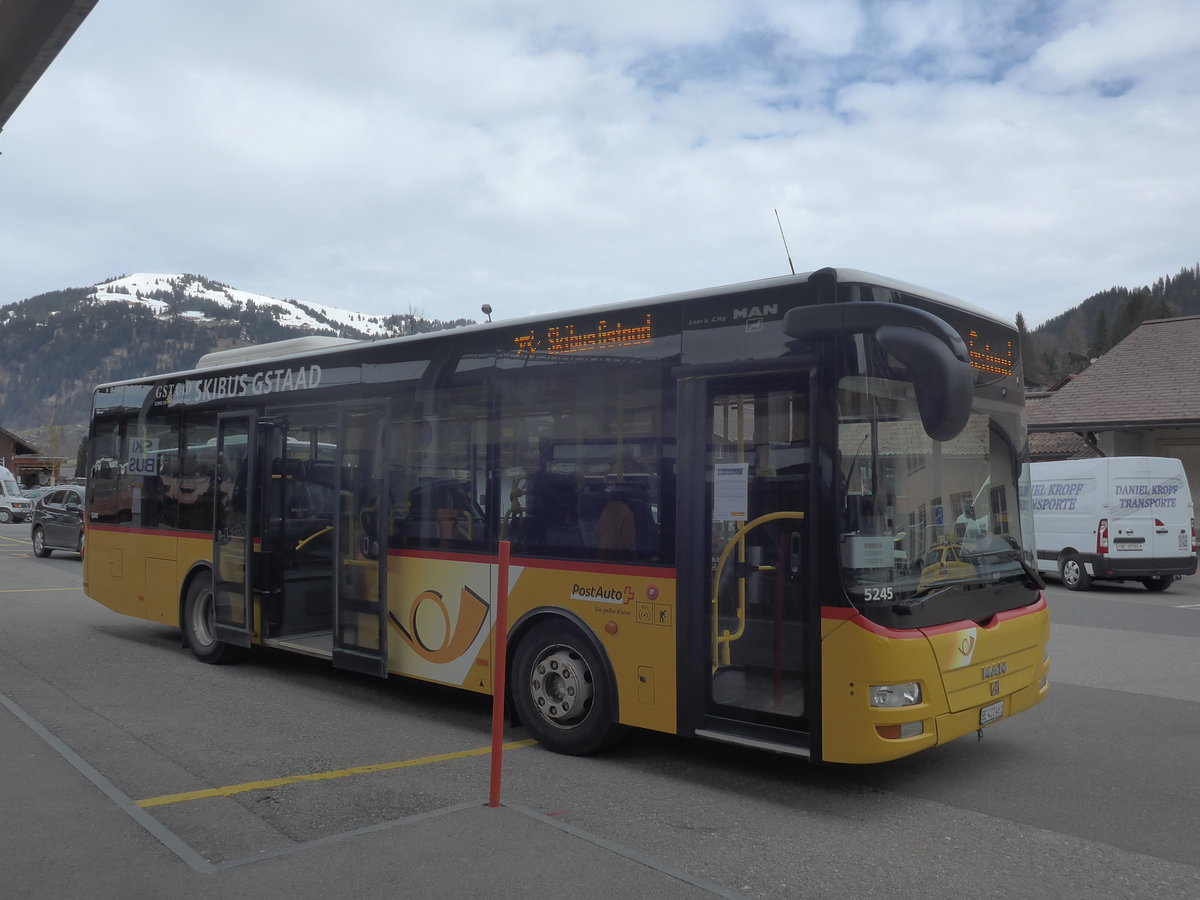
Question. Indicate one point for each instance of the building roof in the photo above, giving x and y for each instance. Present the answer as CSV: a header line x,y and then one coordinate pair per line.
x,y
1060,445
32,32
1149,380
21,447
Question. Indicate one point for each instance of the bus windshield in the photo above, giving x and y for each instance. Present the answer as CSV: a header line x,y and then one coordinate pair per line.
x,y
923,517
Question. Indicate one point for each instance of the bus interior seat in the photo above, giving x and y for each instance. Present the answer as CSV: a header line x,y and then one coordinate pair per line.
x,y
321,477
430,500
292,517
592,500
644,523
550,521
596,497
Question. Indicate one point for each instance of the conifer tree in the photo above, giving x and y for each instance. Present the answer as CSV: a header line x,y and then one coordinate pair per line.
x,y
1100,339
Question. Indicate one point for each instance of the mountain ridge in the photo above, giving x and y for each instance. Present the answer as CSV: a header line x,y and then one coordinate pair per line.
x,y
59,345
1066,343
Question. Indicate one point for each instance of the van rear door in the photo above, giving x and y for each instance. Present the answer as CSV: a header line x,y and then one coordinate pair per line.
x,y
1151,512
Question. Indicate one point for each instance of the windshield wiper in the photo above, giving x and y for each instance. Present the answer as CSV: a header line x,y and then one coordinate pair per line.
x,y
1033,578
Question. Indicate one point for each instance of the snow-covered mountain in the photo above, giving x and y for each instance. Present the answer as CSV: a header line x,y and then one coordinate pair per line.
x,y
194,296
58,346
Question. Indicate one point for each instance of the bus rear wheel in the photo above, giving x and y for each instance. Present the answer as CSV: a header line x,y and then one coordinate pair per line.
x,y
1073,573
199,618
561,690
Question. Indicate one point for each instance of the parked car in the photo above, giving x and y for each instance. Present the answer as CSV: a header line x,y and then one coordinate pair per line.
x,y
34,494
58,521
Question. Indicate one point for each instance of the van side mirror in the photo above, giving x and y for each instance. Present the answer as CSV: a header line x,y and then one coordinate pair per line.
x,y
929,348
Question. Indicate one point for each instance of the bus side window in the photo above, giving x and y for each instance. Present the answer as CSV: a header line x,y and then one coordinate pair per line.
x,y
195,483
102,477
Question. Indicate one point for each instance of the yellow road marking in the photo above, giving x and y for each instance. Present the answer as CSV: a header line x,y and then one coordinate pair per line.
x,y
232,789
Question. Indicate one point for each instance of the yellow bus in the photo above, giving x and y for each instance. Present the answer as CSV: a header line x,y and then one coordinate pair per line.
x,y
719,506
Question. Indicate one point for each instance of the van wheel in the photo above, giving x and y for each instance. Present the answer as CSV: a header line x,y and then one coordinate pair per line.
x,y
1157,584
39,544
5,516
1074,575
560,688
199,616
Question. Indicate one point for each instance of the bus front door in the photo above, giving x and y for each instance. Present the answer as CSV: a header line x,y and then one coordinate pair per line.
x,y
757,470
360,611
233,528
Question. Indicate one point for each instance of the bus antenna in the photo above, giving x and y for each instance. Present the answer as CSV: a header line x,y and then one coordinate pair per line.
x,y
785,246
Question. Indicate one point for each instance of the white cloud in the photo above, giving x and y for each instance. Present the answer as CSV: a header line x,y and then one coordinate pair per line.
x,y
1125,40
377,155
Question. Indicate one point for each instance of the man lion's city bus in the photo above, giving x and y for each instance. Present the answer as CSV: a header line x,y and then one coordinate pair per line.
x,y
747,514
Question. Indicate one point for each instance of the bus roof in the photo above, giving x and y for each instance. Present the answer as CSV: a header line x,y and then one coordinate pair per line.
x,y
323,345
255,352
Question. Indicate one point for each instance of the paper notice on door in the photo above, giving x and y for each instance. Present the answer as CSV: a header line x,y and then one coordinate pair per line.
x,y
731,489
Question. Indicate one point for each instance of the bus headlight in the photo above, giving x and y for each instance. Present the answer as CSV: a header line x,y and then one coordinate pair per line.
x,y
890,696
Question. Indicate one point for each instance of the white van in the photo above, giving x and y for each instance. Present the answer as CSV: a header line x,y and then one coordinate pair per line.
x,y
1117,518
14,506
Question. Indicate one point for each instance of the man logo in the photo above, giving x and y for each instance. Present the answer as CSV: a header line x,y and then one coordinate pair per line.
x,y
757,312
995,670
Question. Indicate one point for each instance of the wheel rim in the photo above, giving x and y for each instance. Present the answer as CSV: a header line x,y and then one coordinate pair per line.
x,y
1071,572
203,619
5,516
39,542
561,686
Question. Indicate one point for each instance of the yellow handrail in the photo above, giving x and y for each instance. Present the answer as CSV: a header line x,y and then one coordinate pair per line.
x,y
313,537
722,640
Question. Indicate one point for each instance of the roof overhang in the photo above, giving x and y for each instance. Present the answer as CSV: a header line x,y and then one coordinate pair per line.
x,y
1125,425
32,32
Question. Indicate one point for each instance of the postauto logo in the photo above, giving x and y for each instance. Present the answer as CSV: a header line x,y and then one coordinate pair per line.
x,y
599,592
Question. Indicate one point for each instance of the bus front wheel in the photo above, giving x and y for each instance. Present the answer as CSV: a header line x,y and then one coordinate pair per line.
x,y
199,616
561,690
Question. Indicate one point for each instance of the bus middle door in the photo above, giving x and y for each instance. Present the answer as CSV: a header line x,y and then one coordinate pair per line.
x,y
233,528
360,610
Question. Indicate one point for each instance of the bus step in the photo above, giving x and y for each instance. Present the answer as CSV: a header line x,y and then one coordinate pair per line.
x,y
319,645
743,741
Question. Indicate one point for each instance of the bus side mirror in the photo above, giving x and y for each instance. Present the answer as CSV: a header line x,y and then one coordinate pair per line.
x,y
945,385
933,352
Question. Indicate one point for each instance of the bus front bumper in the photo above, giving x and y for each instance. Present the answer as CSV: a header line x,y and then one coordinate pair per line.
x,y
955,725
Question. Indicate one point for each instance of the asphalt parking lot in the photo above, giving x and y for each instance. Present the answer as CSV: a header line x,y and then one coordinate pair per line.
x,y
104,789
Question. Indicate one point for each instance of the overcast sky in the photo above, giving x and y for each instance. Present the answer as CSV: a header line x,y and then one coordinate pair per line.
x,y
394,155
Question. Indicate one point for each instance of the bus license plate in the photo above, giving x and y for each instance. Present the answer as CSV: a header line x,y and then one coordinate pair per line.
x,y
991,713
